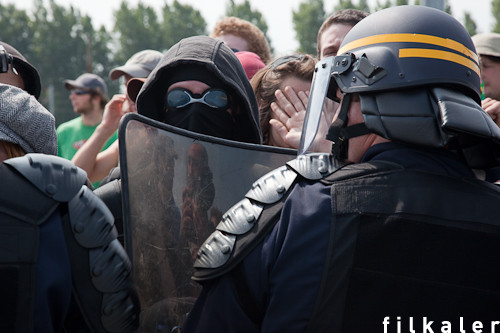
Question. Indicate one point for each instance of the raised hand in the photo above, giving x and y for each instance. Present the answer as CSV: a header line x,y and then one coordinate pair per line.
x,y
288,117
492,107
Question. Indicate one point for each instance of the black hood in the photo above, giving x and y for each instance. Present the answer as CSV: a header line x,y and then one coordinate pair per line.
x,y
219,60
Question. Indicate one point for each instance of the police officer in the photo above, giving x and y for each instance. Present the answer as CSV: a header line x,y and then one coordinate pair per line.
x,y
61,266
393,232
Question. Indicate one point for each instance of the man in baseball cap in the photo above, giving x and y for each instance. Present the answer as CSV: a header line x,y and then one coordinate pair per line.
x,y
88,82
488,48
88,96
13,59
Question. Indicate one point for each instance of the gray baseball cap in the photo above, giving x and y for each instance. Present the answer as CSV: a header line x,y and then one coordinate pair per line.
x,y
88,81
487,44
24,121
139,65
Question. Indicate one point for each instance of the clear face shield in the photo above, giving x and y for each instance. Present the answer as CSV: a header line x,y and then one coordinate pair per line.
x,y
331,75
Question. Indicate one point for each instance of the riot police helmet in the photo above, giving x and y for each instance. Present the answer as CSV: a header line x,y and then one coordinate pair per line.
x,y
416,71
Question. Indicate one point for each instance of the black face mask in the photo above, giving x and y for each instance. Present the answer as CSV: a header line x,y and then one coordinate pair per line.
x,y
202,119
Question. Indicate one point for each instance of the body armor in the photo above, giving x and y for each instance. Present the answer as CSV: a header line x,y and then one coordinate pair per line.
x,y
403,244
46,187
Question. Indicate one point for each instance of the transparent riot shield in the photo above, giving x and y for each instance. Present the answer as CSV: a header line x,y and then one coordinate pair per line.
x,y
176,185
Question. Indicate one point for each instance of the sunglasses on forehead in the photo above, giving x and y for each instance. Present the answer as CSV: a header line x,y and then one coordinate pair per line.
x,y
283,60
81,92
214,98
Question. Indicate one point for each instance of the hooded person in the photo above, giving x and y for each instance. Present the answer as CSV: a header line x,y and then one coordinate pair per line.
x,y
227,108
222,106
198,86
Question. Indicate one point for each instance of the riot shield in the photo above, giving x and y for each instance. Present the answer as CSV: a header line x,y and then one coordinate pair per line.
x,y
176,185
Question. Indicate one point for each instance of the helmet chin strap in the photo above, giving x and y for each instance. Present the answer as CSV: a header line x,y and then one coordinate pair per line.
x,y
340,134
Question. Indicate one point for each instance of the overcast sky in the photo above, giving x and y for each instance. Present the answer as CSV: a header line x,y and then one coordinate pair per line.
x,y
277,13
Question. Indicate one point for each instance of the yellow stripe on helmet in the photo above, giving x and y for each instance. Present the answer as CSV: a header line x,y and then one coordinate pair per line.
x,y
437,54
411,38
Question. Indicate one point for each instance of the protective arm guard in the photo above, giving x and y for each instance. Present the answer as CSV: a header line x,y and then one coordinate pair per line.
x,y
101,270
245,224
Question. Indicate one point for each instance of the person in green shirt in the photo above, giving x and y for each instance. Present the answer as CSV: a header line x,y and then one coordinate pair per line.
x,y
88,96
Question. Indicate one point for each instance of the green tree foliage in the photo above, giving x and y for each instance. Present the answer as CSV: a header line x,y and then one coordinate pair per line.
x,y
388,3
65,45
383,5
137,29
180,21
246,12
447,7
495,11
363,5
15,28
306,22
346,4
469,24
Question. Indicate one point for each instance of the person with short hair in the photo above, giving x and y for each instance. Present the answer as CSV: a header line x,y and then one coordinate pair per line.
x,y
241,35
333,30
88,95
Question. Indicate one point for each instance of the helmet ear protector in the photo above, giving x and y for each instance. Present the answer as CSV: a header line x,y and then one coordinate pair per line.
x,y
339,133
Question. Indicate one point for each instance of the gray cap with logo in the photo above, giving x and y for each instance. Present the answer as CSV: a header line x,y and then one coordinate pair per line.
x,y
139,65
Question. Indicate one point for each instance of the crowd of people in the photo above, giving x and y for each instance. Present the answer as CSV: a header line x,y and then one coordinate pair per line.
x,y
391,214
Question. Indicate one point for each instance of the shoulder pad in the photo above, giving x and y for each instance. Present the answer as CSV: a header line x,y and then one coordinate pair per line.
x,y
90,219
240,219
55,176
102,279
272,186
315,166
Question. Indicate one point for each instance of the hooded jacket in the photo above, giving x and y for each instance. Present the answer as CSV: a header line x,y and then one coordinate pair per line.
x,y
219,60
